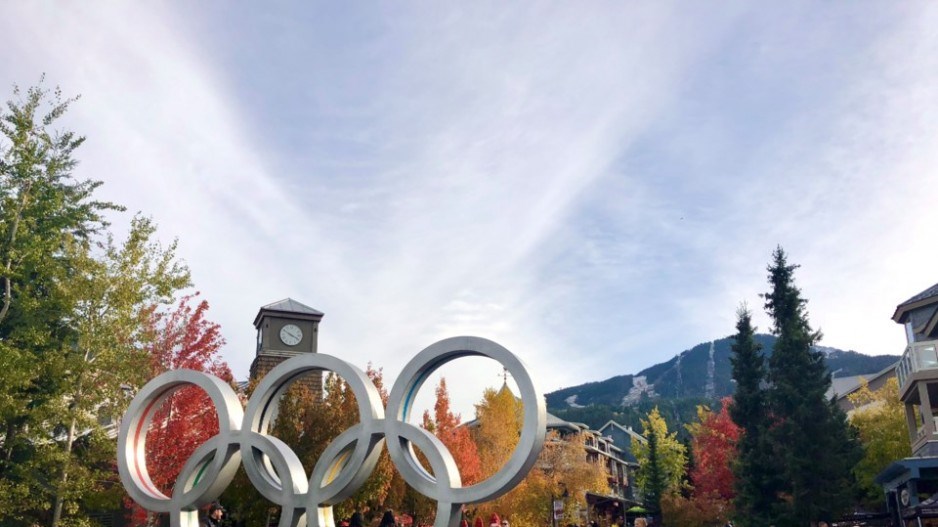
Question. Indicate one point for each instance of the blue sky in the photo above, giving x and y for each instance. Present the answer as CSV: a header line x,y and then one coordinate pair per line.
x,y
596,186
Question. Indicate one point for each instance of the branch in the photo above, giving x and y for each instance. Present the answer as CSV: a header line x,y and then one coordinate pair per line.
x,y
7,283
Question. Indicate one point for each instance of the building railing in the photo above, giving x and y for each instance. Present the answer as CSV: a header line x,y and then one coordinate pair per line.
x,y
918,356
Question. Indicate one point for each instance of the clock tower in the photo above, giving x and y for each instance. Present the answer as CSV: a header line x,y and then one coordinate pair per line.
x,y
286,329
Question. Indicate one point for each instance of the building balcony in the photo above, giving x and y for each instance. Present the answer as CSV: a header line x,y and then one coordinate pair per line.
x,y
920,360
925,442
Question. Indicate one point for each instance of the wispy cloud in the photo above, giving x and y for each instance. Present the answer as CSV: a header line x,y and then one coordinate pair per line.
x,y
595,187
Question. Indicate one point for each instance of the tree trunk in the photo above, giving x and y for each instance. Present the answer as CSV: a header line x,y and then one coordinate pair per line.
x,y
9,439
59,501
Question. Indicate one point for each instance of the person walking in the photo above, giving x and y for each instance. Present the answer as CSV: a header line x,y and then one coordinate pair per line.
x,y
214,516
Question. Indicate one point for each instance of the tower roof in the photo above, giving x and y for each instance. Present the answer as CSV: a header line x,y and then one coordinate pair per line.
x,y
288,307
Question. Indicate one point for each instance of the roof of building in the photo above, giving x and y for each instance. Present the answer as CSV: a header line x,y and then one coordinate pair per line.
x,y
626,429
841,386
555,422
288,306
924,298
844,386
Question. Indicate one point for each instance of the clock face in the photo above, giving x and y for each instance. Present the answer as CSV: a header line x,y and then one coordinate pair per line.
x,y
291,335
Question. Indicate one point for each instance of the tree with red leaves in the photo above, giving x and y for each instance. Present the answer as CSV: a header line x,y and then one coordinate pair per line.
x,y
448,427
180,339
714,444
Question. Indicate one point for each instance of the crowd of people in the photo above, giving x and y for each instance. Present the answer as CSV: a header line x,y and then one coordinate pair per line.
x,y
215,516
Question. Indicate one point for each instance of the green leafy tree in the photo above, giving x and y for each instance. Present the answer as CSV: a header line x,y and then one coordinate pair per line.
x,y
308,423
46,221
71,318
661,460
880,420
809,434
114,296
755,469
43,206
375,493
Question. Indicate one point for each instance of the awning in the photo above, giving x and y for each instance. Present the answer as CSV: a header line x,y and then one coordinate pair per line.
x,y
905,469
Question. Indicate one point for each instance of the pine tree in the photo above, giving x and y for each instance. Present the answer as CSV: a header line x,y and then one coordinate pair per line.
x,y
755,468
809,436
654,484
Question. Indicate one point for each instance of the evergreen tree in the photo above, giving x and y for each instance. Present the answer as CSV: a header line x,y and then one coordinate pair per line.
x,y
654,484
755,468
809,436
690,464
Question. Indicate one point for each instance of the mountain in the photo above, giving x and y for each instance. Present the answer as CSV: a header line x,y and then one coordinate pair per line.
x,y
702,372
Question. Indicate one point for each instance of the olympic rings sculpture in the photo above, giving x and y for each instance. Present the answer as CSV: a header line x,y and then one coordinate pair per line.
x,y
276,471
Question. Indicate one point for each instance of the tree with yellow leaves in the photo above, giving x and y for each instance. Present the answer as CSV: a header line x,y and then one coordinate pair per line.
x,y
499,418
563,470
496,434
661,460
880,419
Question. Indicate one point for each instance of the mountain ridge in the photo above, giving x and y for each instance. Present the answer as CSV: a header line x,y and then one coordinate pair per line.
x,y
700,372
